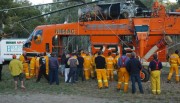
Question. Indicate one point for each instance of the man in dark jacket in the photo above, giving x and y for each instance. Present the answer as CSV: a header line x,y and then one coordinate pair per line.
x,y
134,67
53,69
42,71
101,71
80,70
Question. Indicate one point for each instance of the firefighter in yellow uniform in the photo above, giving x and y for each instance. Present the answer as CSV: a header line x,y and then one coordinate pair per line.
x,y
174,61
32,66
110,66
101,71
37,65
123,75
47,63
87,65
93,66
155,67
116,60
24,61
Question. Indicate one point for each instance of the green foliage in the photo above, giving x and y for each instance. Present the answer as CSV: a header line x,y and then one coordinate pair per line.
x,y
11,18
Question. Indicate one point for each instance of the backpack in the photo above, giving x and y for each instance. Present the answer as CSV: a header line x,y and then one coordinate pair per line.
x,y
123,61
157,62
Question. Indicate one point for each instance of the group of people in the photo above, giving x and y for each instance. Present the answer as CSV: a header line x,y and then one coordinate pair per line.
x,y
38,68
87,66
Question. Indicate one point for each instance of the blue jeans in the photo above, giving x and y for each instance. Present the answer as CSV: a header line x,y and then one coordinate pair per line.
x,y
136,78
53,75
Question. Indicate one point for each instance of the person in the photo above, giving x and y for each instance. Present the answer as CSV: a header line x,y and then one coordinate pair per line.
x,y
87,66
24,60
174,61
16,69
80,70
155,67
82,53
123,75
110,66
47,62
134,67
37,65
101,71
67,68
93,65
63,57
42,71
53,69
116,60
32,66
72,62
1,66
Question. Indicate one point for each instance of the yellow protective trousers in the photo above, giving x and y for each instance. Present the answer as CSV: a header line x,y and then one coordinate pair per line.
x,y
87,73
92,70
155,82
110,74
37,66
26,70
101,75
123,76
174,67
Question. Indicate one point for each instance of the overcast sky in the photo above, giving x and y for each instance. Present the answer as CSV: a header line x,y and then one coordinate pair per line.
x,y
34,2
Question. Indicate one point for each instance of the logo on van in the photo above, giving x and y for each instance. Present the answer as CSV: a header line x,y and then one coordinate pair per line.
x,y
10,42
20,42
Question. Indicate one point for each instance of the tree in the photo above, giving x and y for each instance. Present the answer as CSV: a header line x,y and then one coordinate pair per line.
x,y
10,18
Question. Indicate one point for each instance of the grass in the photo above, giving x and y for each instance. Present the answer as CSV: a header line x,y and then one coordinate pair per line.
x,y
89,89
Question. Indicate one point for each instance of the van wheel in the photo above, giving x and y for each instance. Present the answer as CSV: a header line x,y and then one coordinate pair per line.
x,y
144,75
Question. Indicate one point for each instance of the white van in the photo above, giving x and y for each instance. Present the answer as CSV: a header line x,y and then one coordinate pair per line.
x,y
8,47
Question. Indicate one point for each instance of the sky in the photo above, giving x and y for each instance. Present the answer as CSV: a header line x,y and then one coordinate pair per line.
x,y
34,2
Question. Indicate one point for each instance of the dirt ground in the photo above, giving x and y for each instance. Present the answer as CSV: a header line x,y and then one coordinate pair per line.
x,y
87,92
47,98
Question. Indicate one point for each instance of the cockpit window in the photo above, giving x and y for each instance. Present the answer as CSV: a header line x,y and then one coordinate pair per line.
x,y
38,32
27,43
38,36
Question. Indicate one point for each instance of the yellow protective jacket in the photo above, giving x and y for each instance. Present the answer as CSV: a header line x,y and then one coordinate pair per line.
x,y
93,59
15,67
110,62
87,61
22,59
174,59
33,63
37,62
116,59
